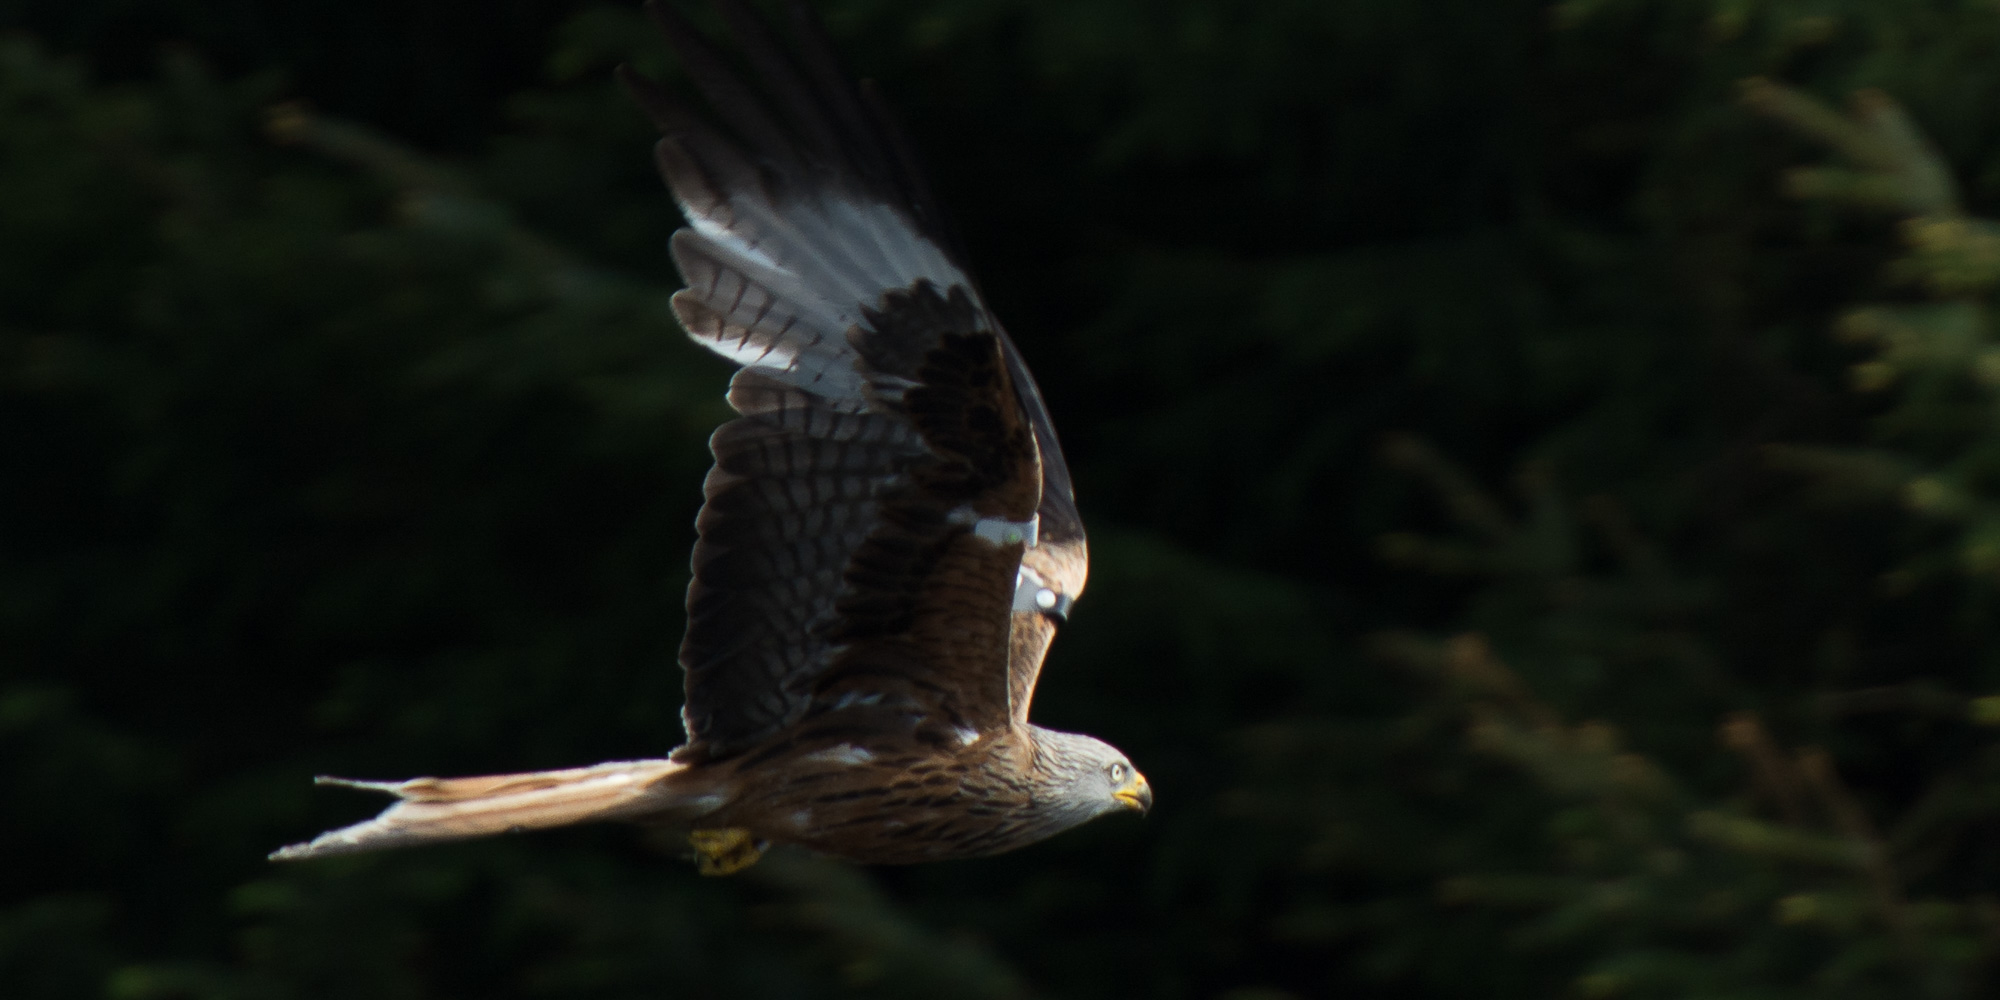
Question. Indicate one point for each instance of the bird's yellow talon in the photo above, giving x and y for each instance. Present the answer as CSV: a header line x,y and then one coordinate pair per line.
x,y
724,852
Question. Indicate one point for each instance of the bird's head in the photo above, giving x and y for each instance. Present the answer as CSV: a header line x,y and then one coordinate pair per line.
x,y
1129,787
1091,777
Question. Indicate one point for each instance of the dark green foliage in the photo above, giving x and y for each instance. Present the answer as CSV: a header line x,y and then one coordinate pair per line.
x,y
1542,463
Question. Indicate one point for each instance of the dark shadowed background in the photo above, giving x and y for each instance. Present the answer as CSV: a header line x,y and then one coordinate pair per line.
x,y
1543,463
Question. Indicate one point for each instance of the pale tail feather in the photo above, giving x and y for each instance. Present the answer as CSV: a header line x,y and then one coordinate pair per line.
x,y
437,809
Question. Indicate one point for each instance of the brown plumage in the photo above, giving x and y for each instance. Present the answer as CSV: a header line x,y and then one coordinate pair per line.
x,y
888,538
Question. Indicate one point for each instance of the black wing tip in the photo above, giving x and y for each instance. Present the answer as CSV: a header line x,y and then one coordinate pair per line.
x,y
658,104
825,119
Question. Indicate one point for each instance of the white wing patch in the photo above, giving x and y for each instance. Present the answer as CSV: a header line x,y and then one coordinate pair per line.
x,y
722,237
776,284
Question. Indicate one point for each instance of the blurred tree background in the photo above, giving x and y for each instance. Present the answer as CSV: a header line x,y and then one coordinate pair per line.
x,y
1543,464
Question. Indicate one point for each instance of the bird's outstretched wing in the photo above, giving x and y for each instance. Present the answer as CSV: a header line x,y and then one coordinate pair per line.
x,y
863,537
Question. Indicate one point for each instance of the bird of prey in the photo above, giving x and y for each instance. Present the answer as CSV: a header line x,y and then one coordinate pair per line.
x,y
889,537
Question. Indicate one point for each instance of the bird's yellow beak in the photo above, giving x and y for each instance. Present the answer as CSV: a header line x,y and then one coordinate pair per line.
x,y
1137,795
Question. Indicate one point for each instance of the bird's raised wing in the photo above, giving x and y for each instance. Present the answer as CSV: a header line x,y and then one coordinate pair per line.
x,y
863,537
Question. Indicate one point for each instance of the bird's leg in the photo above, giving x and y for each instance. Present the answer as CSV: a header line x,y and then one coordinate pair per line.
x,y
725,852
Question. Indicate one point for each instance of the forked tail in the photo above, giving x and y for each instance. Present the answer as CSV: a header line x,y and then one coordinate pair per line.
x,y
435,809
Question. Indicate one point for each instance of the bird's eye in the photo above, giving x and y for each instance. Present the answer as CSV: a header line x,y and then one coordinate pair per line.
x,y
1118,773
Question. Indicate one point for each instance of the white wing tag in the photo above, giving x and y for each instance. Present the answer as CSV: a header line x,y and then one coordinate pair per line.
x,y
998,532
1032,593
